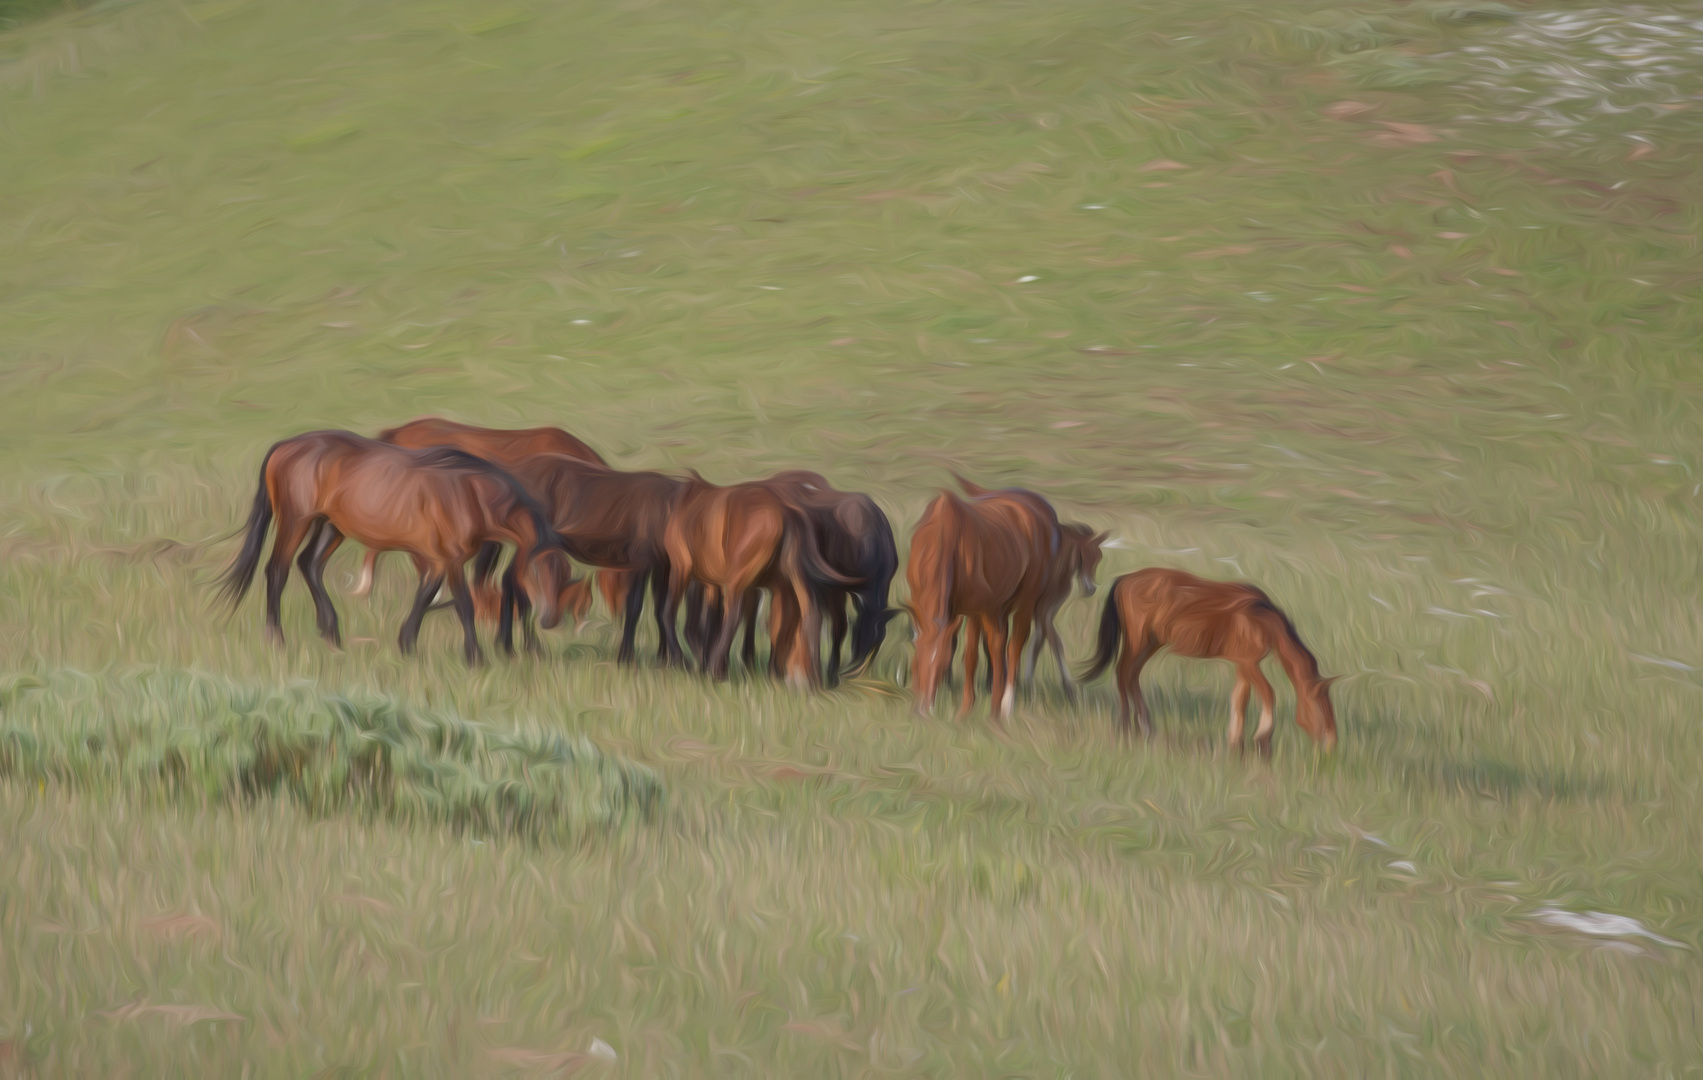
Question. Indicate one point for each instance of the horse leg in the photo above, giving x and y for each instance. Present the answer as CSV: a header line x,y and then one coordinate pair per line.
x,y
630,624
1238,709
312,560
462,597
430,583
837,632
1005,650
703,621
932,658
805,670
720,652
484,564
972,657
666,636
1268,708
1053,642
1033,656
783,633
670,614
1022,624
369,567
748,642
288,538
1130,662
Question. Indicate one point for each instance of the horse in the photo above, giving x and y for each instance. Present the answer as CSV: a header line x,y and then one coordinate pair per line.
x,y
614,520
1078,560
438,505
500,447
732,540
1155,608
856,539
984,564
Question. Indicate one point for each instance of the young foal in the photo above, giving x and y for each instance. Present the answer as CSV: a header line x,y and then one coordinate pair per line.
x,y
1154,608
438,505
985,564
502,448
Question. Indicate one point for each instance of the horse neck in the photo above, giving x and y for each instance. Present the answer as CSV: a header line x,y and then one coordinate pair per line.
x,y
1297,660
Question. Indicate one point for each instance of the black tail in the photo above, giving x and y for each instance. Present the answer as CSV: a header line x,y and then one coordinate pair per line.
x,y
873,614
1111,629
236,580
817,570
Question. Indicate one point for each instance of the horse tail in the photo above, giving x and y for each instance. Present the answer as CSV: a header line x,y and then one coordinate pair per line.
x,y
1111,629
236,580
881,564
807,549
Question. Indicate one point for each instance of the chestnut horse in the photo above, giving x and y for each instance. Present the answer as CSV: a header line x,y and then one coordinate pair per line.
x,y
615,520
500,447
1155,608
732,540
856,539
983,563
1077,561
438,505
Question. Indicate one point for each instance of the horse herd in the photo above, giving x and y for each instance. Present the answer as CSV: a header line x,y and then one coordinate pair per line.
x,y
997,565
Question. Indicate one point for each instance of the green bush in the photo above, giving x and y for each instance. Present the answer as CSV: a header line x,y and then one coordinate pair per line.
x,y
177,735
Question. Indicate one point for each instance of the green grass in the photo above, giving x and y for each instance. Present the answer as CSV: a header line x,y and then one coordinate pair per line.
x,y
1377,306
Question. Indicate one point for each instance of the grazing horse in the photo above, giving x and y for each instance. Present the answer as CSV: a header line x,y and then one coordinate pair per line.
x,y
500,447
438,505
856,539
732,540
984,564
1078,559
1154,608
615,520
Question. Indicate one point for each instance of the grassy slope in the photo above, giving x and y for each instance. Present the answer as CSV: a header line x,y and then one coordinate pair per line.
x,y
1423,373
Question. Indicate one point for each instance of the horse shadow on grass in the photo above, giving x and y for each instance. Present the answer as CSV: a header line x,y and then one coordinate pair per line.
x,y
1193,722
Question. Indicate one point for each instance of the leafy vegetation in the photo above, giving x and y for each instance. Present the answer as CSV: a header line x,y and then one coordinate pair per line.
x,y
190,738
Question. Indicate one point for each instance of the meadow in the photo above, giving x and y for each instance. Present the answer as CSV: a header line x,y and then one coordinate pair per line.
x,y
1392,309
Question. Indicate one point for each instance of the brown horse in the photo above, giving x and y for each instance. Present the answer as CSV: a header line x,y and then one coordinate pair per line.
x,y
732,540
856,539
984,564
438,505
615,520
1077,562
1154,608
502,448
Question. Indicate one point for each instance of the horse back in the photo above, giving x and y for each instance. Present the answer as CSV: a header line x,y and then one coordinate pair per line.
x,y
503,446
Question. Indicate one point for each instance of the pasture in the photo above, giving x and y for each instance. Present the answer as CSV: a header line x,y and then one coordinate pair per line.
x,y
1392,309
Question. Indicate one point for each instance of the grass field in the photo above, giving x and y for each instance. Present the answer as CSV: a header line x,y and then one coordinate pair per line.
x,y
1393,309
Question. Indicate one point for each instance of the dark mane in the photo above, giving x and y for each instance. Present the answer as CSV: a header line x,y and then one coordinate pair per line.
x,y
1264,606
